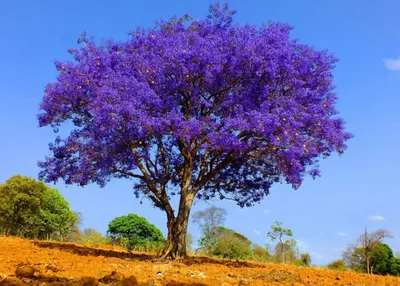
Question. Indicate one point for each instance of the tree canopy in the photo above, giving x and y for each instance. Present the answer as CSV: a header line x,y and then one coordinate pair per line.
x,y
29,208
135,230
231,244
199,108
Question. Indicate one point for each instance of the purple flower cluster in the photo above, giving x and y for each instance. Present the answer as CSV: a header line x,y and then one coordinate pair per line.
x,y
202,106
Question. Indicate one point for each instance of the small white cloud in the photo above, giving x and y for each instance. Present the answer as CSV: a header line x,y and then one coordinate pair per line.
x,y
257,232
392,64
267,211
341,233
376,218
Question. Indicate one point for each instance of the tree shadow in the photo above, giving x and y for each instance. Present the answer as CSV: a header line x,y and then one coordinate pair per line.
x,y
191,260
89,251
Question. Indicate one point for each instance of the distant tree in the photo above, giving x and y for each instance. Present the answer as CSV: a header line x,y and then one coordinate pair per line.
x,y
209,220
189,242
56,219
358,255
135,230
368,241
231,244
380,259
75,234
260,253
338,265
227,112
278,233
31,209
290,249
395,266
93,237
304,260
21,200
354,257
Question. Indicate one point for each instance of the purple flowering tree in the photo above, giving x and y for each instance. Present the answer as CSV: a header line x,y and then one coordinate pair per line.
x,y
193,108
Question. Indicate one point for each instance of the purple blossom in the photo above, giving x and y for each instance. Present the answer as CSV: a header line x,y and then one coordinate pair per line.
x,y
238,108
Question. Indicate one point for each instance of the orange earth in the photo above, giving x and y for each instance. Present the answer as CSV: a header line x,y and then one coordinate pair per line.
x,y
70,264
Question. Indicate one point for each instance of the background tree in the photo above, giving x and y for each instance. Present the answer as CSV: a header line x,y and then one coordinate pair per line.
x,y
338,265
358,255
209,222
260,253
395,266
228,112
21,199
278,233
75,234
29,208
231,244
290,251
138,233
380,259
368,241
189,242
304,260
55,219
93,237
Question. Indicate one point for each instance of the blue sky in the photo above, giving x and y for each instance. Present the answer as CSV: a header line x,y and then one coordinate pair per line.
x,y
356,190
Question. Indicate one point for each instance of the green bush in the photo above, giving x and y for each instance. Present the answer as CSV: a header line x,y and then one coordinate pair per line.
x,y
93,237
134,232
337,265
231,244
260,254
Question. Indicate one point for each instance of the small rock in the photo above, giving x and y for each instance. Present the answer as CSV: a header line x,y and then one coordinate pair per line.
x,y
113,277
52,268
25,271
9,281
201,275
338,278
130,281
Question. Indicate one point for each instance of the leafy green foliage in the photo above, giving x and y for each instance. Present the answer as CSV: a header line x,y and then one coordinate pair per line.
x,y
381,258
260,253
231,244
56,219
29,208
278,233
289,250
338,265
135,232
395,266
209,221
93,237
304,260
21,199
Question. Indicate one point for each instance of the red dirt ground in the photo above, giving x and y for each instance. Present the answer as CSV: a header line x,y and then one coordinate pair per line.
x,y
69,264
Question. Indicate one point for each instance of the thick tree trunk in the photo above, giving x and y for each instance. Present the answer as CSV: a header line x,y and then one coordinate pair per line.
x,y
175,247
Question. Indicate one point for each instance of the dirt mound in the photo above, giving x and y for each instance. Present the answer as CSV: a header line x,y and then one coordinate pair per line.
x,y
57,264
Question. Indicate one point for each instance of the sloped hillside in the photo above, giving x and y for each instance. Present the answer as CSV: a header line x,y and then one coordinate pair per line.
x,y
68,264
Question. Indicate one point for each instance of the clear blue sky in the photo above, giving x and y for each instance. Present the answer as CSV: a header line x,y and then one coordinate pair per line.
x,y
357,190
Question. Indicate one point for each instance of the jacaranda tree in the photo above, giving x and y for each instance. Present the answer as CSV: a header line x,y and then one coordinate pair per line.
x,y
194,108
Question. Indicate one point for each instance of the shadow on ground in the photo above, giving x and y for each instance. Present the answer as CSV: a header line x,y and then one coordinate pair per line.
x,y
192,260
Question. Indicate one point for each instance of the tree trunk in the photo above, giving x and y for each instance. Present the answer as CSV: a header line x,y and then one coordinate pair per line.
x,y
368,270
175,247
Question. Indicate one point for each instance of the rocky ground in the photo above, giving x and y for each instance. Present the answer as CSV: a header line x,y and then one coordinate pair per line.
x,y
25,262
